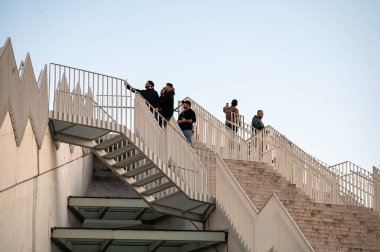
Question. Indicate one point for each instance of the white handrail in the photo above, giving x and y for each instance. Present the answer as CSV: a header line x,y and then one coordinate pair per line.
x,y
169,145
211,132
376,189
308,173
354,191
111,103
355,183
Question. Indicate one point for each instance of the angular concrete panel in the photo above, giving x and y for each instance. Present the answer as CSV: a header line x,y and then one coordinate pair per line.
x,y
16,218
25,161
7,150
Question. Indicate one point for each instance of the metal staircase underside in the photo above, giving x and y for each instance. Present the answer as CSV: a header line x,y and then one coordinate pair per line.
x,y
153,180
120,224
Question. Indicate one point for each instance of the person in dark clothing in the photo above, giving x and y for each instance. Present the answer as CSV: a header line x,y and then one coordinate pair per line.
x,y
149,94
232,115
166,102
256,120
186,120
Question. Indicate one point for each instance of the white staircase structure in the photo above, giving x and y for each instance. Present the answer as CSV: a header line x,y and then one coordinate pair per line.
x,y
108,116
172,178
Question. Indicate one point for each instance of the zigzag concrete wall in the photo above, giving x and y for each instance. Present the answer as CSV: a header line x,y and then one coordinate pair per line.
x,y
22,96
35,177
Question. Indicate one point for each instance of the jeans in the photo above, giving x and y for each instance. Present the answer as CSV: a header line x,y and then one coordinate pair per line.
x,y
188,134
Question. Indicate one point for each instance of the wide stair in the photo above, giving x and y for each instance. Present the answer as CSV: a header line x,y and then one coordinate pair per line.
x,y
327,227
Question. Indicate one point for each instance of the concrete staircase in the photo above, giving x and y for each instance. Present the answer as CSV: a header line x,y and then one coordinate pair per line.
x,y
327,227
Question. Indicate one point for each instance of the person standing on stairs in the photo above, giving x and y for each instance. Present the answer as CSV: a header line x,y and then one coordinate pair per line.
x,y
166,103
257,126
256,120
186,120
150,94
232,115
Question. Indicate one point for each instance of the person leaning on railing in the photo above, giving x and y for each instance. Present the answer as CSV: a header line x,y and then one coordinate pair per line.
x,y
186,120
256,120
150,94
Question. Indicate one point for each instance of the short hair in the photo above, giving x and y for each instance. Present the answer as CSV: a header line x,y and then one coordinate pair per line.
x,y
169,84
258,111
187,102
150,83
234,102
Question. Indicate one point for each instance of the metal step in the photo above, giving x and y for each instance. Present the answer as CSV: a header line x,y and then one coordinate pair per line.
x,y
120,151
139,170
102,223
130,160
110,142
159,188
74,140
135,239
149,179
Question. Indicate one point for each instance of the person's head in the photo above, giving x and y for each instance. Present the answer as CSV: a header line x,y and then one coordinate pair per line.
x,y
260,114
162,91
149,84
234,103
168,87
186,104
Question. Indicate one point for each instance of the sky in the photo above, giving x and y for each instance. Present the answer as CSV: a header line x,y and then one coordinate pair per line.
x,y
312,66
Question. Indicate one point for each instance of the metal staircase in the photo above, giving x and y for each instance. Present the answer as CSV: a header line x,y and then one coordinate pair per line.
x,y
123,224
117,124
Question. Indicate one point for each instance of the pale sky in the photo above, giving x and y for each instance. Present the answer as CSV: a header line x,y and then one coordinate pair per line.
x,y
312,66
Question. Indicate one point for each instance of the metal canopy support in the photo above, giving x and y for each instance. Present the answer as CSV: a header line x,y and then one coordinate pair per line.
x,y
100,223
90,210
154,246
106,202
149,240
105,245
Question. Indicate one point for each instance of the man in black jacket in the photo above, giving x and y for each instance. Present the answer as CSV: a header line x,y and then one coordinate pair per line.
x,y
186,120
166,102
150,94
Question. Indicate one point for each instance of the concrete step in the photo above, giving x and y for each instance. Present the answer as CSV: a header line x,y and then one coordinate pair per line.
x,y
328,227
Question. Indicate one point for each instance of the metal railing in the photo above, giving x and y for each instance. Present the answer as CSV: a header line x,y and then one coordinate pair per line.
x,y
110,103
355,183
268,145
340,184
308,173
169,144
216,136
376,188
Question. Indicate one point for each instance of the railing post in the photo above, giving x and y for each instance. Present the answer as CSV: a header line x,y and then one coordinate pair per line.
x,y
376,189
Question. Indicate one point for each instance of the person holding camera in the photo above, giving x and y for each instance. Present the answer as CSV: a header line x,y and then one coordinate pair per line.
x,y
186,120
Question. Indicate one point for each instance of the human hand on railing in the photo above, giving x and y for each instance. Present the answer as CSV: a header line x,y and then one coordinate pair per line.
x,y
127,86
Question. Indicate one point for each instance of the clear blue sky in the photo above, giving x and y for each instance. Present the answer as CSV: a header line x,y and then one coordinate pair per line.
x,y
312,66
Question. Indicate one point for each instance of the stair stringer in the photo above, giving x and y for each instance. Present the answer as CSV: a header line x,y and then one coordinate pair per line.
x,y
202,203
